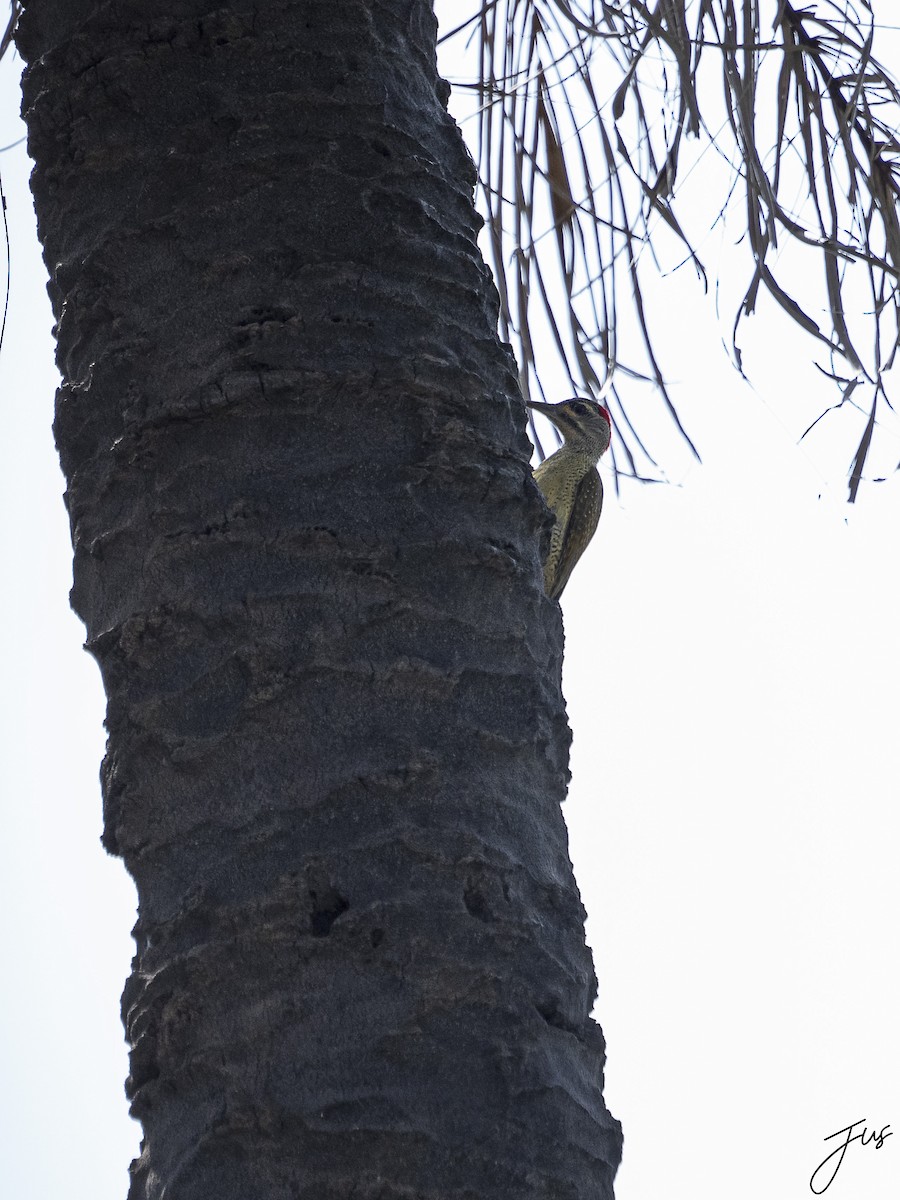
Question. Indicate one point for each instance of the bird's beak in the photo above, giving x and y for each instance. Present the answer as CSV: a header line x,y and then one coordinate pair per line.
x,y
549,410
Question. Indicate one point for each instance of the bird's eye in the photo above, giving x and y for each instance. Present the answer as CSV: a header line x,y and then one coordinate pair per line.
x,y
581,409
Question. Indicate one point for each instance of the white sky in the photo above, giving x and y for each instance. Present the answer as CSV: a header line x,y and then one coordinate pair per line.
x,y
733,654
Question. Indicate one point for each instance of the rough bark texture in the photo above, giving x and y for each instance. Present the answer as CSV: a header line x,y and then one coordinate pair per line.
x,y
306,552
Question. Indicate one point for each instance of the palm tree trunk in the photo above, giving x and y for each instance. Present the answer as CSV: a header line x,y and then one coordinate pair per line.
x,y
306,553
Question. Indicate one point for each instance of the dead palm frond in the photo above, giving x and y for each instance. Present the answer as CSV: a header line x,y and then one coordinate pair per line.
x,y
583,111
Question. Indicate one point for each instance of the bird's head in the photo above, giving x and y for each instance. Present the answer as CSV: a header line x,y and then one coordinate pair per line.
x,y
585,424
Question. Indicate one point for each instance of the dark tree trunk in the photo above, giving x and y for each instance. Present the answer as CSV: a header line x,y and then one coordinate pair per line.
x,y
306,552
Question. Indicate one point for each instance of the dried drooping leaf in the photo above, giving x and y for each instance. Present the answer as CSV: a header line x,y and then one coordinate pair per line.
x,y
15,8
584,106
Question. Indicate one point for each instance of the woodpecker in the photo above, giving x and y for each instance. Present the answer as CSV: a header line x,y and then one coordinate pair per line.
x,y
571,485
